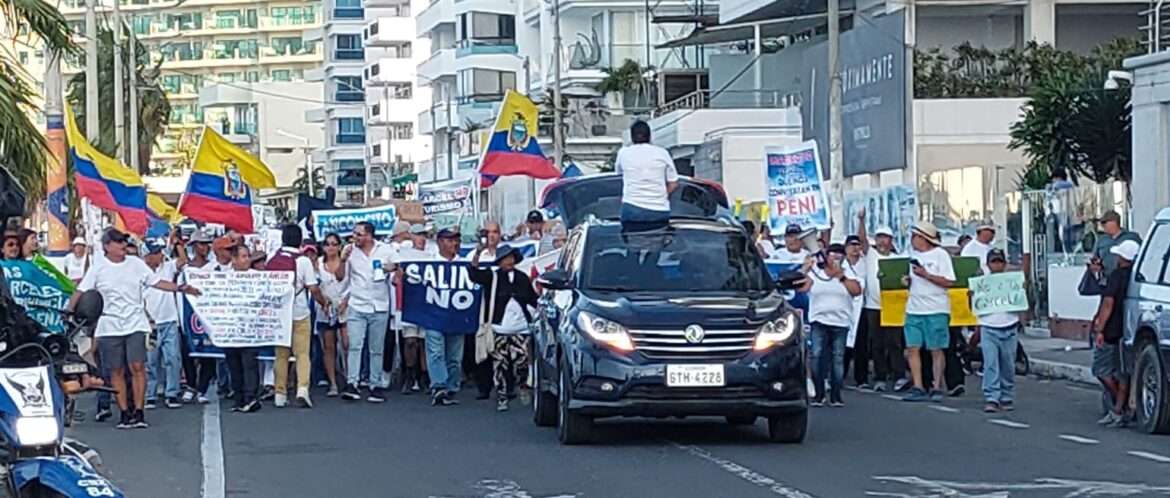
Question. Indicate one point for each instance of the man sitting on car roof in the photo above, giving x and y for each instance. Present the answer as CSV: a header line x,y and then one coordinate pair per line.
x,y
648,178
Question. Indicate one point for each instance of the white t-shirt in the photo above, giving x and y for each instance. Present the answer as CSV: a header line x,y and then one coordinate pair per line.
x,y
767,247
409,253
783,255
873,286
925,297
856,272
369,290
513,321
75,266
121,286
999,320
160,304
645,169
829,302
304,277
978,250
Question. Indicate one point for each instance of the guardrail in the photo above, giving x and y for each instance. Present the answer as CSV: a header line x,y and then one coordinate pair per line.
x,y
1156,31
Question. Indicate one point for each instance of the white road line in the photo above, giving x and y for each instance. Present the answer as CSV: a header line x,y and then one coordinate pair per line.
x,y
1150,456
212,449
1008,423
776,487
892,396
1078,439
945,409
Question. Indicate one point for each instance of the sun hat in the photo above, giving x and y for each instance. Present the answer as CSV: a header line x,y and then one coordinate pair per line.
x,y
928,231
507,250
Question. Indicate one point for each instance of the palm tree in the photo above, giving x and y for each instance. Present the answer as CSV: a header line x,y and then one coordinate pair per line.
x,y
22,145
154,110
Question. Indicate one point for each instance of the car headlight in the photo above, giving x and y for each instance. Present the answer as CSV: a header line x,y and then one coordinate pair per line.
x,y
607,332
37,431
777,331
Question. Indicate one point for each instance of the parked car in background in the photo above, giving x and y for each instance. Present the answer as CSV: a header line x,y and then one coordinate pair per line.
x,y
1147,329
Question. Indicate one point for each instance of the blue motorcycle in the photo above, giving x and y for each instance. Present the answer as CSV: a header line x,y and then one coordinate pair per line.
x,y
39,461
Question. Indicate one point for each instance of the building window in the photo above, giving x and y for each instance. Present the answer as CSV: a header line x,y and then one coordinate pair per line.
x,y
293,16
375,110
349,89
351,173
375,69
185,22
399,51
487,29
348,9
485,84
281,75
172,82
23,57
252,77
400,130
376,150
349,48
351,131
236,49
373,29
400,91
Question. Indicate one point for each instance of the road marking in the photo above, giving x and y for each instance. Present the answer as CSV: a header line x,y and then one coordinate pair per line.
x,y
1150,456
929,487
1008,423
1078,439
776,487
892,396
945,409
212,449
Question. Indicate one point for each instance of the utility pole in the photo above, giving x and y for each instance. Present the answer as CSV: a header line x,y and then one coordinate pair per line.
x,y
119,102
91,73
134,159
558,118
836,163
527,90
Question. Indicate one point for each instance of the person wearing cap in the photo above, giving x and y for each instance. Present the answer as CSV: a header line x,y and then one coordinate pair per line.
x,y
420,247
121,330
886,344
764,240
793,251
400,234
200,244
998,340
513,306
857,351
368,264
980,246
534,225
445,351
1104,260
1108,328
77,261
928,309
648,178
164,361
831,288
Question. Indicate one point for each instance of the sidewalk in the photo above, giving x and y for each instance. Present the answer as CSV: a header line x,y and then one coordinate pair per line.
x,y
1058,358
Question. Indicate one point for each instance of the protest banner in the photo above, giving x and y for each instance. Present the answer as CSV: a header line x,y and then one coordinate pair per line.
x,y
242,309
796,192
893,207
42,296
895,292
527,248
452,196
342,221
998,293
439,295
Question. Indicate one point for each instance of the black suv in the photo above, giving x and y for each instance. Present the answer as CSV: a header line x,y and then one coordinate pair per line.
x,y
682,321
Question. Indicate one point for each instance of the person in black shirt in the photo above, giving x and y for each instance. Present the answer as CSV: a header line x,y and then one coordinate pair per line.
x,y
1108,329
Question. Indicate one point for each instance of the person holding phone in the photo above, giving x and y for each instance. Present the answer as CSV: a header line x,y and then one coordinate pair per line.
x,y
487,246
928,309
368,264
831,287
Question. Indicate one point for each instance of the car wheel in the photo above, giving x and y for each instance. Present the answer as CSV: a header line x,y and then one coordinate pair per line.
x,y
544,404
741,420
1153,413
1023,365
572,428
788,428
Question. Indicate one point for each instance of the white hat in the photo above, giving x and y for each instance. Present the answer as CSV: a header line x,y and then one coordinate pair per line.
x,y
985,226
1127,249
79,241
884,230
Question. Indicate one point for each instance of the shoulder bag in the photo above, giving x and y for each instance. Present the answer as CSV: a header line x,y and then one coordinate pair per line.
x,y
485,337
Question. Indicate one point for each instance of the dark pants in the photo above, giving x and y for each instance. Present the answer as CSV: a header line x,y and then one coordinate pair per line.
x,y
828,359
245,373
207,373
636,219
885,347
190,373
857,357
482,374
953,374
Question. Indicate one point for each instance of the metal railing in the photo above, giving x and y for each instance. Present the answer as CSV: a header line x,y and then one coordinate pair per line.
x,y
729,99
1156,31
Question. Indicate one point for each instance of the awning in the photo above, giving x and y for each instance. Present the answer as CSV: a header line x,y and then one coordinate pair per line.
x,y
402,181
746,11
770,28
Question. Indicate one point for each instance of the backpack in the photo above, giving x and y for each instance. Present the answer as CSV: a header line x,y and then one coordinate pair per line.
x,y
284,261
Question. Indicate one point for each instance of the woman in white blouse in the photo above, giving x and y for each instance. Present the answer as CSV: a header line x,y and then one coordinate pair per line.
x,y
335,286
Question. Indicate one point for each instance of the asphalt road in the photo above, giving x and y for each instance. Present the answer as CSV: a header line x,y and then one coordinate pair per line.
x,y
875,446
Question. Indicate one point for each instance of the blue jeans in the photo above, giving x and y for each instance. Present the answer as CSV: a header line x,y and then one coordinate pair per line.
x,y
362,327
999,363
639,219
444,360
828,358
164,361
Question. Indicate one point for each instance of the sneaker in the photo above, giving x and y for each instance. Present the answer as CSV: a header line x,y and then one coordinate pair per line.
x,y
916,395
1119,422
957,391
322,383
252,407
103,415
416,387
350,393
203,400
406,390
228,394
865,386
376,396
502,405
936,396
817,402
126,421
1108,419
991,407
150,404
902,385
332,392
1007,406
303,400
188,396
140,420
237,408
268,393
280,400
442,398
363,384
880,387
173,403
837,403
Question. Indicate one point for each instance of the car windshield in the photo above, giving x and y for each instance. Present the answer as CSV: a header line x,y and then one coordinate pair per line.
x,y
688,259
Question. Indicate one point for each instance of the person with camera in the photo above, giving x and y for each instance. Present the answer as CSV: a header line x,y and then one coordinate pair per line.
x,y
831,287
928,309
482,372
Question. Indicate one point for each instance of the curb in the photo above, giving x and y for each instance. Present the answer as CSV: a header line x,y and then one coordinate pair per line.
x,y
1056,370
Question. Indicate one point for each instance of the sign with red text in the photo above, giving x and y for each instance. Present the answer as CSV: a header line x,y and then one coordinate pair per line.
x,y
796,192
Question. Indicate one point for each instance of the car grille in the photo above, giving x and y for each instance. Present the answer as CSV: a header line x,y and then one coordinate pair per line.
x,y
663,392
673,345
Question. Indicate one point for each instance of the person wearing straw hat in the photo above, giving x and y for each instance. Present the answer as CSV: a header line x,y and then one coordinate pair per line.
x,y
981,245
77,261
928,308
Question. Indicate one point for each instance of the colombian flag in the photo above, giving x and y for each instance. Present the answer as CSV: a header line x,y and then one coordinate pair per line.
x,y
223,180
107,183
512,148
160,215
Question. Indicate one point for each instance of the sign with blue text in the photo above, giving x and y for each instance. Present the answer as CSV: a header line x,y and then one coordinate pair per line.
x,y
41,295
796,193
439,295
342,221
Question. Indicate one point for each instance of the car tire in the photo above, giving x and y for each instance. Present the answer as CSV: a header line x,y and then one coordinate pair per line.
x,y
741,420
544,404
1153,410
572,428
789,428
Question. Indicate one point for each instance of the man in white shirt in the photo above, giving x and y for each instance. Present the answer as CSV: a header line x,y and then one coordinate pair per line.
x,y
980,246
536,231
648,178
793,251
164,361
121,331
305,285
419,247
928,309
77,261
886,344
369,263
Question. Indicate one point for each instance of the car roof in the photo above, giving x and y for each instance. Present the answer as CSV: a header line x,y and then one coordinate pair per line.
x,y
1163,215
728,225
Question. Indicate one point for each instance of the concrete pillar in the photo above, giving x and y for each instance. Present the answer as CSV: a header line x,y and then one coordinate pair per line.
x,y
1040,21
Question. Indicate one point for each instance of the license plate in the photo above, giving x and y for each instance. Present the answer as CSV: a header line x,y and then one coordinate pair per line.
x,y
694,376
75,368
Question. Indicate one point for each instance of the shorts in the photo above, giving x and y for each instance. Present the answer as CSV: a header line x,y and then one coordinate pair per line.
x,y
1107,361
329,327
412,332
118,351
931,331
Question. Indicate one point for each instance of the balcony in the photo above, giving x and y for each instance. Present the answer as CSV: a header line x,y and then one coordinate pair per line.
x,y
349,54
289,55
441,63
389,70
471,47
387,31
349,96
349,139
440,116
348,13
438,12
392,111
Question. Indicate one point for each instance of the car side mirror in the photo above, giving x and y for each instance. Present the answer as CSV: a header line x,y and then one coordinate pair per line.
x,y
790,280
555,279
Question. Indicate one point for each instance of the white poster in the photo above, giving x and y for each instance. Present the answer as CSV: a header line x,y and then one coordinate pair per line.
x,y
244,309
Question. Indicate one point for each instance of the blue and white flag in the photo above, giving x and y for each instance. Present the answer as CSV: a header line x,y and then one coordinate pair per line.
x,y
342,221
439,295
41,295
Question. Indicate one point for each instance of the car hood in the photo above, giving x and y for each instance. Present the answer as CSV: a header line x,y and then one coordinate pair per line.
x,y
637,310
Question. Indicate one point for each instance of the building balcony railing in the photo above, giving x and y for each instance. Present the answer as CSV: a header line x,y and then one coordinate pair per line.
x,y
729,99
349,139
350,96
349,13
349,54
1156,31
484,46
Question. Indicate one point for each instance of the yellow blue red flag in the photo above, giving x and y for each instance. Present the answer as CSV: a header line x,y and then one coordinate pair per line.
x,y
160,214
512,148
107,183
223,180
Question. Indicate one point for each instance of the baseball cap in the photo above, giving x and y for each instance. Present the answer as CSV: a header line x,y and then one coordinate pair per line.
x,y
223,243
793,229
420,229
535,216
852,240
985,226
884,230
402,226
155,245
79,241
836,247
996,255
1127,249
449,233
1111,216
200,237
309,247
114,235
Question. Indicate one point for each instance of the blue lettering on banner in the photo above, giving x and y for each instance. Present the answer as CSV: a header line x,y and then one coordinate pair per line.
x,y
439,295
342,221
527,248
38,292
199,342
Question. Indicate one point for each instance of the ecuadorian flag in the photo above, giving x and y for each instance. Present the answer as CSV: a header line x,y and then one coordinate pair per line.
x,y
512,148
160,215
107,183
223,179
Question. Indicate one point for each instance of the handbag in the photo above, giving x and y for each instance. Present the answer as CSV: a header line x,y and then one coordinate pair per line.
x,y
485,336
1090,285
